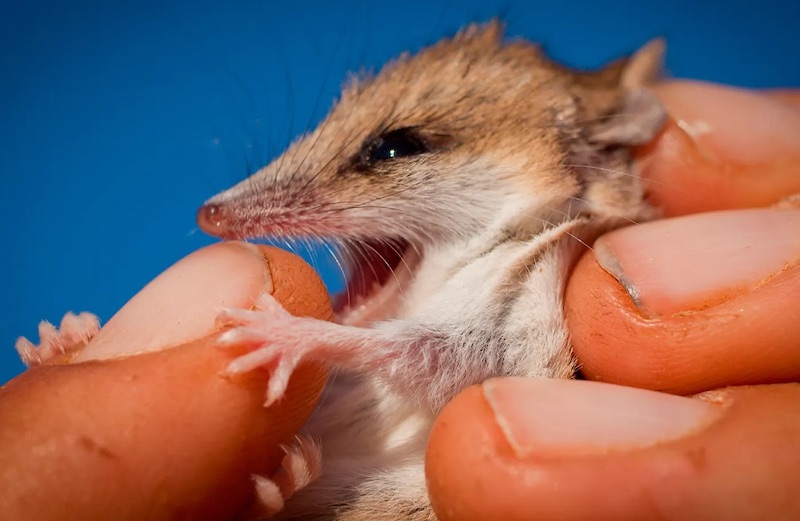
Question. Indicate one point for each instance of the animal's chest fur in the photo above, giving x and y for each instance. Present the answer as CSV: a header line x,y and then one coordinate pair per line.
x,y
472,283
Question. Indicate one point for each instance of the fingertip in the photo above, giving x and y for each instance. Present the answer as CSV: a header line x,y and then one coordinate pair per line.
x,y
643,455
745,337
185,437
674,265
464,465
788,96
152,436
296,285
732,124
475,472
180,305
723,148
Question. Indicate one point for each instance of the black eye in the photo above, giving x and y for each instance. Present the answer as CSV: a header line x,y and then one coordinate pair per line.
x,y
402,142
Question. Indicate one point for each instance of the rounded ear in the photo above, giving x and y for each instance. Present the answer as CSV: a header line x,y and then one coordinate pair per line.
x,y
638,115
645,66
638,119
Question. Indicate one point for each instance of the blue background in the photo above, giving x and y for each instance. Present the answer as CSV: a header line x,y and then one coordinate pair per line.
x,y
117,121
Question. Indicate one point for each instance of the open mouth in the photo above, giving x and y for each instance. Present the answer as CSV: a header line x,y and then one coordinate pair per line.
x,y
379,273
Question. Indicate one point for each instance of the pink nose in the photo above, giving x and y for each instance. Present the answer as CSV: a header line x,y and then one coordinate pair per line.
x,y
213,219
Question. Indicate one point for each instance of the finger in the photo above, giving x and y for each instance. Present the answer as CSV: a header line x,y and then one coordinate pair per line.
x,y
790,96
518,449
723,148
160,435
692,303
191,294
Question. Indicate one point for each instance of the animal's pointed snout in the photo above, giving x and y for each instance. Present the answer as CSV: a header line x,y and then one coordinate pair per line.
x,y
214,219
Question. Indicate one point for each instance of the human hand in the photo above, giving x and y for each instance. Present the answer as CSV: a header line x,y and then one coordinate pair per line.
x,y
189,481
717,302
161,434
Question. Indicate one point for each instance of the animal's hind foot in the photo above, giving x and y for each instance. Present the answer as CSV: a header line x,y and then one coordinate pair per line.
x,y
300,467
70,337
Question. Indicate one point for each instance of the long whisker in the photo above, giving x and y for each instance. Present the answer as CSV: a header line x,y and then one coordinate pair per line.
x,y
389,243
386,263
334,253
579,240
349,140
325,78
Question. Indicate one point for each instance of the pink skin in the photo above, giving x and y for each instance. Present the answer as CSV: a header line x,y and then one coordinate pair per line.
x,y
279,341
301,466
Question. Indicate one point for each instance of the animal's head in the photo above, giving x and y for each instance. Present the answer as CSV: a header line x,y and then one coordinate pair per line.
x,y
465,134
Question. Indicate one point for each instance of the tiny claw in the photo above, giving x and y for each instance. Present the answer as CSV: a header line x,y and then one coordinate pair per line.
x,y
272,397
279,382
250,361
226,338
222,320
240,336
265,302
235,316
227,317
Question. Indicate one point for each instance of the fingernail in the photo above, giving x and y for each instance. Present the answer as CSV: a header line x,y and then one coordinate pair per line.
x,y
742,126
552,417
182,303
695,262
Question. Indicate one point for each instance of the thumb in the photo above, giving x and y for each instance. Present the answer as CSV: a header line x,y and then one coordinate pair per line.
x,y
159,435
571,450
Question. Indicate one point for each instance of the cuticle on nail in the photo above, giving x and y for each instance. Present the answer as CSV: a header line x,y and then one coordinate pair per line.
x,y
610,264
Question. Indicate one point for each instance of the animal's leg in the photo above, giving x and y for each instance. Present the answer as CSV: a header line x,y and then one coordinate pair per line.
x,y
456,342
279,341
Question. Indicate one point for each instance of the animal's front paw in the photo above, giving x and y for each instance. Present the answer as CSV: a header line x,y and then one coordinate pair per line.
x,y
274,339
73,334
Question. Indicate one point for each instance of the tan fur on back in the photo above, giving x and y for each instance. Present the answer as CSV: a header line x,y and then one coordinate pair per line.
x,y
521,163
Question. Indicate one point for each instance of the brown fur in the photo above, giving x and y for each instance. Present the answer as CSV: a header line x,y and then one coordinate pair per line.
x,y
472,97
521,153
